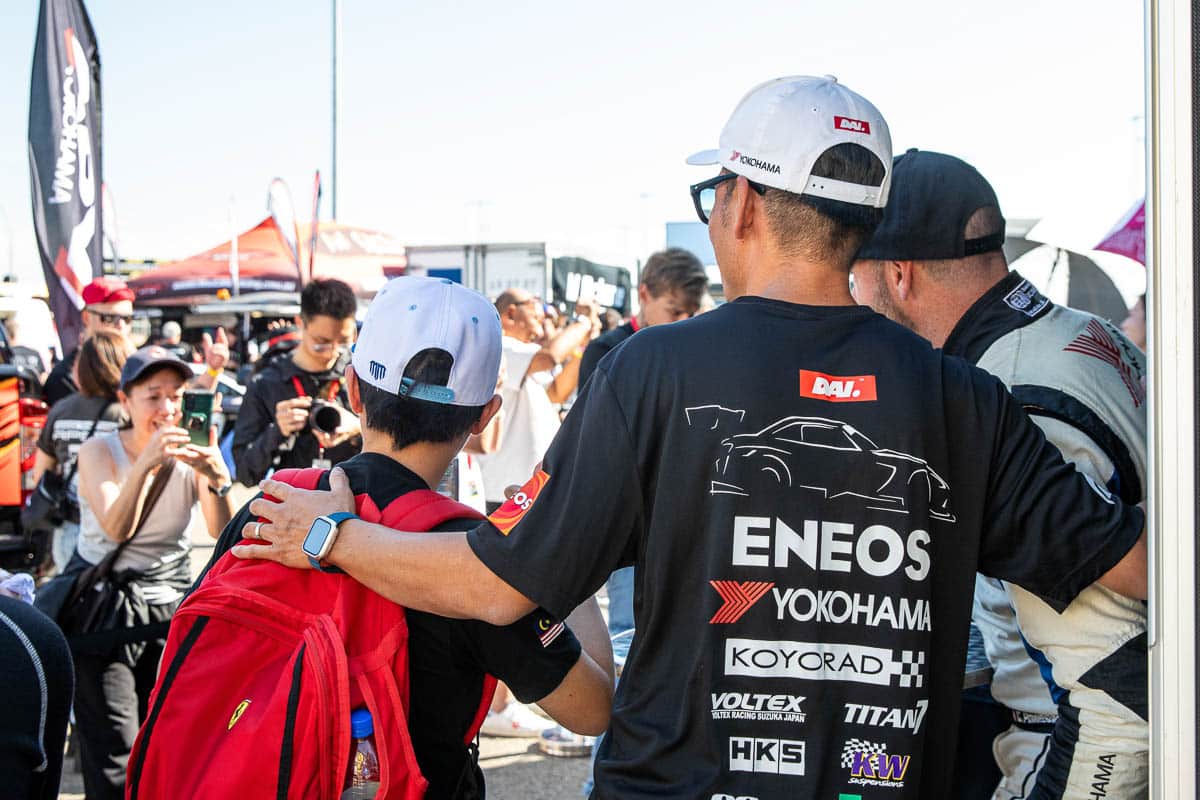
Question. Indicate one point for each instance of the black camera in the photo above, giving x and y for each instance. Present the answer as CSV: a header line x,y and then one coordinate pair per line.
x,y
325,416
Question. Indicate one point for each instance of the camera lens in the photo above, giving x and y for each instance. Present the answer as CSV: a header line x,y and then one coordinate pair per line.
x,y
325,417
195,422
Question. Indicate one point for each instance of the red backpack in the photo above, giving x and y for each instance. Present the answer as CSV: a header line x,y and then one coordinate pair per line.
x,y
262,667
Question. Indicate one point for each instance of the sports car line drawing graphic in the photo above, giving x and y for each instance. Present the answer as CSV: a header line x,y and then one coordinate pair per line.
x,y
834,459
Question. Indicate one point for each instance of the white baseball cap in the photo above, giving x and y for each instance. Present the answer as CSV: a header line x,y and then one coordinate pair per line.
x,y
781,127
412,314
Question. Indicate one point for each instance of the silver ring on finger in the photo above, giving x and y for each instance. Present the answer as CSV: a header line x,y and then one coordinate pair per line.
x,y
257,533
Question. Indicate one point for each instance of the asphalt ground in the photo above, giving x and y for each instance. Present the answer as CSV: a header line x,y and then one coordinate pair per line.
x,y
514,768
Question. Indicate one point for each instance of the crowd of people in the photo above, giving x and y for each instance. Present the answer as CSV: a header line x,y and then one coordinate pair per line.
x,y
878,507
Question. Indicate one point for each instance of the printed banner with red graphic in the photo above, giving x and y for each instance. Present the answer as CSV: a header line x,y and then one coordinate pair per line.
x,y
514,509
64,158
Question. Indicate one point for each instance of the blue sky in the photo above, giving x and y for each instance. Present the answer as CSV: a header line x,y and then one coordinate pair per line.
x,y
563,122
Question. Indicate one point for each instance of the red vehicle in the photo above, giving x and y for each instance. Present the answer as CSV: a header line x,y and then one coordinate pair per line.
x,y
22,416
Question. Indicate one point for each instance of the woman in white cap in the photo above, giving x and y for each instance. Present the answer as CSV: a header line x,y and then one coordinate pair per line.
x,y
119,507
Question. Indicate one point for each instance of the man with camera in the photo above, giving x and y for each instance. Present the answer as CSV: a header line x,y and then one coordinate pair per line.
x,y
295,411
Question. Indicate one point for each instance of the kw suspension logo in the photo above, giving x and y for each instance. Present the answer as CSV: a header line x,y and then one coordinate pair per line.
x,y
506,517
738,598
871,765
824,661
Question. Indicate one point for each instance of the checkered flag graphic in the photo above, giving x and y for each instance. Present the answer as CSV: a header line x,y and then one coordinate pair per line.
x,y
855,746
910,665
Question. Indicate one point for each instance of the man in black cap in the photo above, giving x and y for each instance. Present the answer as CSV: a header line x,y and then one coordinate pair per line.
x,y
1071,680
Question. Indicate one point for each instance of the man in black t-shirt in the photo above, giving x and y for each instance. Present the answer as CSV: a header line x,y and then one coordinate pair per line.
x,y
23,356
806,488
427,363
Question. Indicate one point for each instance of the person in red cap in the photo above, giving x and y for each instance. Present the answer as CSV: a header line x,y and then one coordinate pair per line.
x,y
107,306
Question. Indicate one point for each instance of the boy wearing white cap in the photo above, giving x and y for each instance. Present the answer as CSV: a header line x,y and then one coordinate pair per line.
x,y
423,378
805,487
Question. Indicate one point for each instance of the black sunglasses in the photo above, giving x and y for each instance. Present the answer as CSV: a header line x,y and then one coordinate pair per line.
x,y
704,194
111,319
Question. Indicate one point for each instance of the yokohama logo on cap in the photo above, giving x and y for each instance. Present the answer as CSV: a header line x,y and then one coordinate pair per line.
x,y
514,509
852,125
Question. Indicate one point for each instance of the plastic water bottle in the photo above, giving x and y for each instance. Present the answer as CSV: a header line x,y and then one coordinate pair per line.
x,y
362,776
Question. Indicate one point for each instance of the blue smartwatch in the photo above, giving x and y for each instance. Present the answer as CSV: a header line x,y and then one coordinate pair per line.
x,y
321,536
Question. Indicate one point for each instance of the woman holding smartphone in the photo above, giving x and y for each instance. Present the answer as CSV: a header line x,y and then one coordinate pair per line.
x,y
116,472
93,410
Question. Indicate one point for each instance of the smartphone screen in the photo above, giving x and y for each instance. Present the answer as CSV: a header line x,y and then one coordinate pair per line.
x,y
197,416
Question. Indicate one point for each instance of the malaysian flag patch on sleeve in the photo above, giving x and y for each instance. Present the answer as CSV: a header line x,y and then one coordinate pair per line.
x,y
549,630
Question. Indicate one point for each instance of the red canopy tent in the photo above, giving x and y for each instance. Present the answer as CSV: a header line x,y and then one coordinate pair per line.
x,y
355,255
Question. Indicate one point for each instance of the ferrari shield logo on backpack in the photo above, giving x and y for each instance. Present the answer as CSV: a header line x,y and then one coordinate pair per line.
x,y
237,714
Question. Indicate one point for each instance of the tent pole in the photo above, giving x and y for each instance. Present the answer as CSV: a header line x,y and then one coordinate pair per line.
x,y
337,49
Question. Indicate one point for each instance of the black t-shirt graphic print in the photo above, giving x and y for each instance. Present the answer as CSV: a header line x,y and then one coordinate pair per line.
x,y
807,493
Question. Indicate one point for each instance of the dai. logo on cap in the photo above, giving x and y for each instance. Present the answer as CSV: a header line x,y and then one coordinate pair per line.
x,y
852,125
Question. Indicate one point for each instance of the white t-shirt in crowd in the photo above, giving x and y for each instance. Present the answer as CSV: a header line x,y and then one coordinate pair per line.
x,y
530,422
463,482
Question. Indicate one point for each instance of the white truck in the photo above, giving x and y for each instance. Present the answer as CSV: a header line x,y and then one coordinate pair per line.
x,y
486,268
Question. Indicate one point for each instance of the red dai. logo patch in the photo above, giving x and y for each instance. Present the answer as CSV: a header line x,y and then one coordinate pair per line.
x,y
837,388
852,125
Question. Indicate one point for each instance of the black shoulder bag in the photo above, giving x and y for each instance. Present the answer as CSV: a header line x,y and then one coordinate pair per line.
x,y
98,598
50,503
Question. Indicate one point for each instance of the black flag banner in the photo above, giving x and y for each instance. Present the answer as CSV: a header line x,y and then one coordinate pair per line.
x,y
64,158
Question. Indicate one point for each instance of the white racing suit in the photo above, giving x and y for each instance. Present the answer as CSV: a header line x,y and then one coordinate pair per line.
x,y
1075,678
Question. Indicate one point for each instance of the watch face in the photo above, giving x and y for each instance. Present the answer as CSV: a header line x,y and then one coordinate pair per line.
x,y
317,534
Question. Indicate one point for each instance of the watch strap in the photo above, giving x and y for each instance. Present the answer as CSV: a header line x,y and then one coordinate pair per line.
x,y
319,567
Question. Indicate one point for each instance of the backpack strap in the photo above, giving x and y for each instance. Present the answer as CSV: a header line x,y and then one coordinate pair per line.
x,y
424,510
307,478
485,705
420,510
